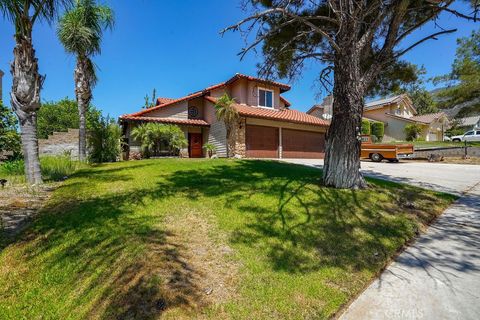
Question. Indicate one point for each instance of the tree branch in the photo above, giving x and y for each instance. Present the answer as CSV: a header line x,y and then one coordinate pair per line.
x,y
432,36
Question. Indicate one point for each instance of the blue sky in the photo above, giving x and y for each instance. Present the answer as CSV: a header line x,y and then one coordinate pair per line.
x,y
175,47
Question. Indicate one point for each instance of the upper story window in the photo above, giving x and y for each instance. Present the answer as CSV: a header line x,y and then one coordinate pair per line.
x,y
265,98
398,111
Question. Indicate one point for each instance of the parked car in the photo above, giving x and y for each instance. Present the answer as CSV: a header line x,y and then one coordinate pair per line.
x,y
472,135
378,151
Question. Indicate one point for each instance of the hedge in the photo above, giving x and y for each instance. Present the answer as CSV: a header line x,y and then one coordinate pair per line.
x,y
378,130
366,127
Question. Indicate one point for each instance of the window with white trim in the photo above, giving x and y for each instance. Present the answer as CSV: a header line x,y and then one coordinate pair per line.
x,y
265,98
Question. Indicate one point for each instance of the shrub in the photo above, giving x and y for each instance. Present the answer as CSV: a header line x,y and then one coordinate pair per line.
x,y
378,130
58,167
160,139
412,131
104,141
53,168
366,127
12,168
210,148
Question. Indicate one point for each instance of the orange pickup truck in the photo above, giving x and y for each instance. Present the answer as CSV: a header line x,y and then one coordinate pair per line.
x,y
378,151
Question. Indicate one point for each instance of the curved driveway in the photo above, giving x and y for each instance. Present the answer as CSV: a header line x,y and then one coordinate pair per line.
x,y
438,277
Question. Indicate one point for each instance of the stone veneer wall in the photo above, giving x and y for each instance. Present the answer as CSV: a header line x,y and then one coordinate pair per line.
x,y
240,142
60,143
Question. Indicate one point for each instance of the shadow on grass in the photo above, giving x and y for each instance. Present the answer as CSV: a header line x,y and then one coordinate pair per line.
x,y
124,264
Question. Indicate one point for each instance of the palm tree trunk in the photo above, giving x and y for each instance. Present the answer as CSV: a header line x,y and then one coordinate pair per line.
x,y
25,99
342,154
83,95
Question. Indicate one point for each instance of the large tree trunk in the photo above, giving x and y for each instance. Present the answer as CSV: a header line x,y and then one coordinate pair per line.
x,y
25,99
342,156
83,95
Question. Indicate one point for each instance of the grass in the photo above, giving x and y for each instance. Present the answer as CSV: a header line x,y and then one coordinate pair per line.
x,y
54,168
214,239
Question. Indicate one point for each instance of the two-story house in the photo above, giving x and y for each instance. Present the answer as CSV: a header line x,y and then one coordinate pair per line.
x,y
395,112
268,128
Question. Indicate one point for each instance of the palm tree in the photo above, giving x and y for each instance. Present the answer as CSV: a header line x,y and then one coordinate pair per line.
x,y
27,82
225,111
80,30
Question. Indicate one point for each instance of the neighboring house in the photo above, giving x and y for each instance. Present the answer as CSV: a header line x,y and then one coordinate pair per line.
x,y
398,111
268,128
469,123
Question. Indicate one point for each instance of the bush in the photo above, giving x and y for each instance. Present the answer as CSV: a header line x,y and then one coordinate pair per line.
x,y
53,168
366,127
378,130
210,148
412,131
104,141
57,167
159,139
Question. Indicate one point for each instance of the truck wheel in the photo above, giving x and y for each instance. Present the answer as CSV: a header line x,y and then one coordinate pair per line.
x,y
376,157
456,140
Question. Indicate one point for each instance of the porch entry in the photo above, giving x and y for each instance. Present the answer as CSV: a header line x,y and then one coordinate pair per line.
x,y
195,145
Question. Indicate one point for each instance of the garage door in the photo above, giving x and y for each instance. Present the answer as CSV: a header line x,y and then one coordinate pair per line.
x,y
303,144
261,142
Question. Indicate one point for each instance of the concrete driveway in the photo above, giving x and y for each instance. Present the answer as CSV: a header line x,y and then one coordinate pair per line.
x,y
438,277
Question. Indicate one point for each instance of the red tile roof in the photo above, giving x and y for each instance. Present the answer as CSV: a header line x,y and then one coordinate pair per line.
x,y
161,100
191,122
429,118
168,101
286,115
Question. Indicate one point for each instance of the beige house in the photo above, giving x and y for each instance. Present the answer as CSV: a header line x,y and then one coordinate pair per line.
x,y
396,112
268,127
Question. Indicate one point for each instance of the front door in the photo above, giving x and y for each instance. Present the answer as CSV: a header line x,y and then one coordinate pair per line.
x,y
195,145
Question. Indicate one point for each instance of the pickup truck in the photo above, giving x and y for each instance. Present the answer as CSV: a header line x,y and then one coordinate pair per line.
x,y
378,151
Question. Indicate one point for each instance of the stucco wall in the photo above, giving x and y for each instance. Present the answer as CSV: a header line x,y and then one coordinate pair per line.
x,y
178,111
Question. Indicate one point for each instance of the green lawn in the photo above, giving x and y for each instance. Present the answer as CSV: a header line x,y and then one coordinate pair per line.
x,y
212,239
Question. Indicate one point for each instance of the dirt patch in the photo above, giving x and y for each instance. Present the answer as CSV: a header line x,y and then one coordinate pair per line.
x,y
185,270
207,254
18,205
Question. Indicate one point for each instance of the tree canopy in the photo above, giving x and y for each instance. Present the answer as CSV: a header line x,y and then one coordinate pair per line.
x,y
62,115
9,137
463,82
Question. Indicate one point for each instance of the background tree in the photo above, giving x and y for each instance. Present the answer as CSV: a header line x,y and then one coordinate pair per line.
x,y
80,30
356,40
412,131
226,112
27,81
150,102
59,116
9,137
463,82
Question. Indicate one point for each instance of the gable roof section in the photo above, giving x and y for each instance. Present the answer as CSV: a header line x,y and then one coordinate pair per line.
x,y
237,76
162,100
286,115
387,101
423,119
429,118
